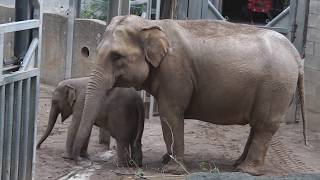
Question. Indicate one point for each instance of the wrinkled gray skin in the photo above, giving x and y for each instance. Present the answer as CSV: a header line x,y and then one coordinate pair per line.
x,y
63,102
214,71
121,115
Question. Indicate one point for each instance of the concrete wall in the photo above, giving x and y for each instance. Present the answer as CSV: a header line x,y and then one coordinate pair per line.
x,y
86,39
312,66
59,7
7,3
54,45
87,36
7,14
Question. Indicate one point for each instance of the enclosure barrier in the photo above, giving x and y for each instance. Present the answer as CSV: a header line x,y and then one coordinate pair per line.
x,y
18,106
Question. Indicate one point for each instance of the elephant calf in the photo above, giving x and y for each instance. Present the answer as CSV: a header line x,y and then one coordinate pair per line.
x,y
121,114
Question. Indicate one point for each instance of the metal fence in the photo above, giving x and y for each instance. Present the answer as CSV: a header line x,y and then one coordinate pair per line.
x,y
18,106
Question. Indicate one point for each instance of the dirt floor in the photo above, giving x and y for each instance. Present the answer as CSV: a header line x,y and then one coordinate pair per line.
x,y
206,146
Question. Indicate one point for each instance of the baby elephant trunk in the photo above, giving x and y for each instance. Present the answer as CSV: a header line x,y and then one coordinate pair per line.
x,y
136,147
54,112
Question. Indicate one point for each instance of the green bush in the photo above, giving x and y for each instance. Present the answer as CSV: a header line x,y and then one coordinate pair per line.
x,y
97,9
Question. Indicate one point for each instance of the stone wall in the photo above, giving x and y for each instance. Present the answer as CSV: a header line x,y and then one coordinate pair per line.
x,y
312,66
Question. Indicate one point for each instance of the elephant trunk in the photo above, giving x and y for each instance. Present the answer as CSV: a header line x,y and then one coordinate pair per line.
x,y
99,84
54,112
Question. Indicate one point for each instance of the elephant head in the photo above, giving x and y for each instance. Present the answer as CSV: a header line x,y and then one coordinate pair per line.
x,y
62,102
130,47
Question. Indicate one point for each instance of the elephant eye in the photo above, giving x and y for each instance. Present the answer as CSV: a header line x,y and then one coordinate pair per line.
x,y
115,56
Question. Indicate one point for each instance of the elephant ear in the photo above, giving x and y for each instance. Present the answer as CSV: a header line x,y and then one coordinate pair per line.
x,y
155,44
71,95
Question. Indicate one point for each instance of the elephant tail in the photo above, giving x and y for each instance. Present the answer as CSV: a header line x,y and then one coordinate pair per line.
x,y
301,97
136,149
54,112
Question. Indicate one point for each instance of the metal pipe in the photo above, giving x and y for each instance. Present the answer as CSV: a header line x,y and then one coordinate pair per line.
x,y
305,28
34,90
27,58
158,9
215,11
1,54
8,132
19,26
24,128
71,18
292,19
16,130
149,9
22,39
279,17
151,106
119,6
2,119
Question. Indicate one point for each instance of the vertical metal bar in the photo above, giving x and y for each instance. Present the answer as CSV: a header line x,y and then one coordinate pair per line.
x,y
24,128
204,9
123,7
183,9
22,38
151,107
32,125
78,8
305,27
1,55
194,9
158,9
113,10
149,3
8,131
119,6
2,119
16,130
39,33
292,20
71,19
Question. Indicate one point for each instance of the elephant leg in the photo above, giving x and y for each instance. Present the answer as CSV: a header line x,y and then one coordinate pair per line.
x,y
168,141
123,153
253,162
72,131
104,137
84,149
246,149
173,134
136,153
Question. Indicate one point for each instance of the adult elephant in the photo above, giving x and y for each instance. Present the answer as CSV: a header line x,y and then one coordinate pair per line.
x,y
213,71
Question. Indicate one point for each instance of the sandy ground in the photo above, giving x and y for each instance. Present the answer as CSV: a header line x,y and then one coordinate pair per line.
x,y
206,146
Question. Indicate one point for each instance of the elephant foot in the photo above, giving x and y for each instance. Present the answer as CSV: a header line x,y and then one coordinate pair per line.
x,y
67,156
249,168
123,163
166,158
238,161
85,155
174,167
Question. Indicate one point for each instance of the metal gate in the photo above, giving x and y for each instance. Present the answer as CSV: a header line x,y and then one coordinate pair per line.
x,y
18,105
290,22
